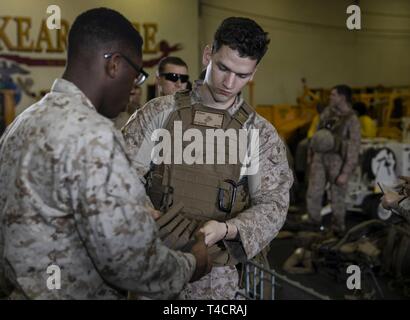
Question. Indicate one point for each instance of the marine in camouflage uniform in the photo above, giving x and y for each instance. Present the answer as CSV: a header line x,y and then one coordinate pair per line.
x,y
269,187
242,209
71,198
327,167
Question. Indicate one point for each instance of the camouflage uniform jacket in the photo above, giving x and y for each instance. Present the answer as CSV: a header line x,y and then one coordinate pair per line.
x,y
269,187
70,197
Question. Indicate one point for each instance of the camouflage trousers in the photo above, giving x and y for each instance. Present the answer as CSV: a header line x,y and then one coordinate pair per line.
x,y
326,168
221,283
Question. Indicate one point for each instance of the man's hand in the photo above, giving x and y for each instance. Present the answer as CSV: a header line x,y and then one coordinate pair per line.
x,y
391,200
214,231
342,179
203,261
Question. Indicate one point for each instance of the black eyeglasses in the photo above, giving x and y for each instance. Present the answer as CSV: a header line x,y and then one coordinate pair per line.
x,y
142,75
174,77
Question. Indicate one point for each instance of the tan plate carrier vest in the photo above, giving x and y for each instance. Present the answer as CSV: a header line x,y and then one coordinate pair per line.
x,y
335,124
207,191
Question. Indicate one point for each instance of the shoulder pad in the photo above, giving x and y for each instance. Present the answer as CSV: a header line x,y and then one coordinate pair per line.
x,y
183,98
244,112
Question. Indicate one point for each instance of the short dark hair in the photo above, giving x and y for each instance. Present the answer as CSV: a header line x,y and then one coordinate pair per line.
x,y
344,90
243,35
170,60
101,26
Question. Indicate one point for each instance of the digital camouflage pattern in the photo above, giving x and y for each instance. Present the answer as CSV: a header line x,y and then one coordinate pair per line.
x,y
269,188
71,198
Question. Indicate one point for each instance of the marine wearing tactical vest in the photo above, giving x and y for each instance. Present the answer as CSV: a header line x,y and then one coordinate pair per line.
x,y
330,134
336,147
238,216
201,192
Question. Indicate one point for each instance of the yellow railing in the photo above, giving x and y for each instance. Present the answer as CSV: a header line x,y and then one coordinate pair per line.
x,y
9,105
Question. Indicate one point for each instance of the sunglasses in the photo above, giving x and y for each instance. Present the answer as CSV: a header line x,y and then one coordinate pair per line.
x,y
142,75
174,77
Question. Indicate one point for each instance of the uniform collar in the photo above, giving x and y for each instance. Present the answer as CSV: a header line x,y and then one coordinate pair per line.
x,y
67,87
197,98
336,111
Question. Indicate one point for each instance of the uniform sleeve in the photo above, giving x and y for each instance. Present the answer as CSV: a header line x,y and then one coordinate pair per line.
x,y
3,280
352,146
5,288
112,215
403,209
140,130
269,190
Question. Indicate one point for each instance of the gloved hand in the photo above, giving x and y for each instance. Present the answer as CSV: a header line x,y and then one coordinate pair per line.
x,y
203,261
176,231
214,231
